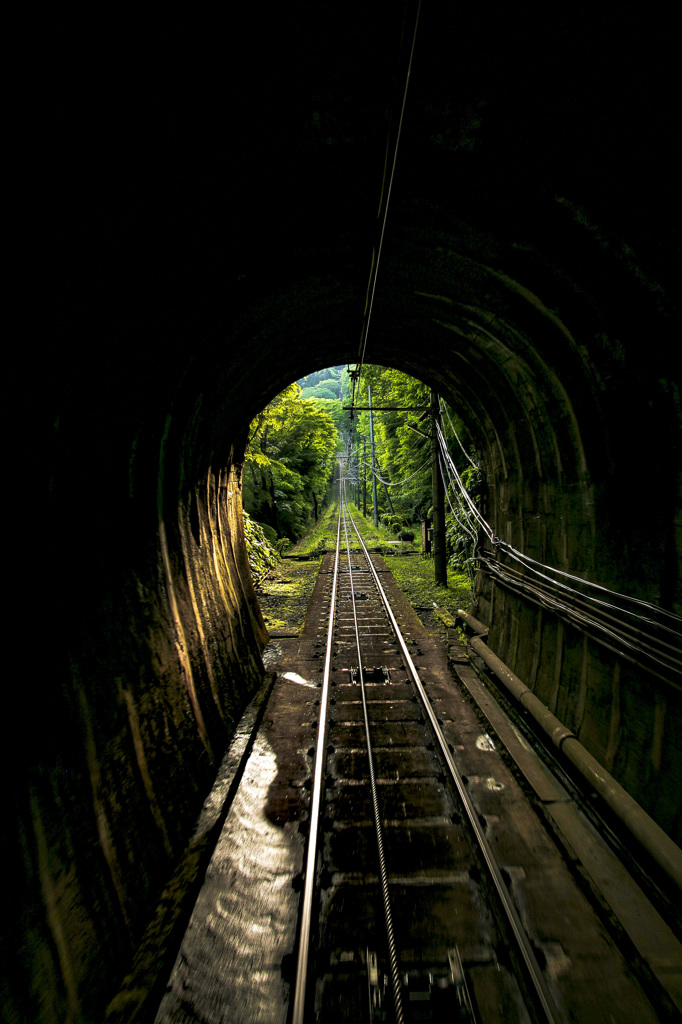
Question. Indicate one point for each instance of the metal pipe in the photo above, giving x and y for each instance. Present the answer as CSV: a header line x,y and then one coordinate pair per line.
x,y
475,624
651,836
438,493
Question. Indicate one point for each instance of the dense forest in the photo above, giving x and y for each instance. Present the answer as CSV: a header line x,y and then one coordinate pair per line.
x,y
295,443
290,458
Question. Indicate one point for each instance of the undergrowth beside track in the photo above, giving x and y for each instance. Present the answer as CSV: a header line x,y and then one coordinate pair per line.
x,y
285,591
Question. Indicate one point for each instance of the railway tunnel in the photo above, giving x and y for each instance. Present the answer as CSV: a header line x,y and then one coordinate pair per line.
x,y
198,233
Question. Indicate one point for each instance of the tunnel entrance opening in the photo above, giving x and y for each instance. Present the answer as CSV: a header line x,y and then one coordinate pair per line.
x,y
549,407
196,234
384,452
385,448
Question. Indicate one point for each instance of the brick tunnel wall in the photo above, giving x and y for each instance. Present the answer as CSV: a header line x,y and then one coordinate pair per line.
x,y
180,273
161,632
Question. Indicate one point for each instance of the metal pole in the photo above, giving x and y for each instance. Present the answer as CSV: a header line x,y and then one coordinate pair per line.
x,y
364,477
438,491
349,471
388,496
371,441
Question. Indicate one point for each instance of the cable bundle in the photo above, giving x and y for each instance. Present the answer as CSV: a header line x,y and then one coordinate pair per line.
x,y
639,631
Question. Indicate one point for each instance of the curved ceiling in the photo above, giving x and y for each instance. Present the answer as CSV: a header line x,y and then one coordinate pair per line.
x,y
200,207
197,203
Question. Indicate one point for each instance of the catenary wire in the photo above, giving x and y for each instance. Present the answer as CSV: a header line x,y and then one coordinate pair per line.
x,y
376,256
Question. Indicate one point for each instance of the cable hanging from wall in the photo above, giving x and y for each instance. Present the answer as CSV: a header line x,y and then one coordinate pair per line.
x,y
595,609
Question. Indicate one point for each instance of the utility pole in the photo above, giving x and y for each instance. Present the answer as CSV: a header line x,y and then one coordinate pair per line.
x,y
353,479
364,477
438,491
371,441
388,496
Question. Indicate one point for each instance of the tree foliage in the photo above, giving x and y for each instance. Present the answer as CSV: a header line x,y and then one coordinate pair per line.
x,y
402,452
403,455
289,460
325,383
294,442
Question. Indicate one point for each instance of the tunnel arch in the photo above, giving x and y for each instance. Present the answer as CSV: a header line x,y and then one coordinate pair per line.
x,y
193,241
549,398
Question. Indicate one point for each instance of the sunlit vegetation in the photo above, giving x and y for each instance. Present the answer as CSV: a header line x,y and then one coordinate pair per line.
x,y
285,590
262,554
330,390
294,445
416,579
284,595
290,458
323,536
326,384
402,444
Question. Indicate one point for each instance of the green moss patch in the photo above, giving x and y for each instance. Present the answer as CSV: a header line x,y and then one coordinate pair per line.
x,y
284,594
323,536
415,577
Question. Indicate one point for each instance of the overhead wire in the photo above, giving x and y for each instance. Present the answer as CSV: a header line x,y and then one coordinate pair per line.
x,y
462,513
485,526
462,521
399,483
382,215
444,408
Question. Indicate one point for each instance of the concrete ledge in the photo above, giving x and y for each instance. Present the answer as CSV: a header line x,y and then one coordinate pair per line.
x,y
651,836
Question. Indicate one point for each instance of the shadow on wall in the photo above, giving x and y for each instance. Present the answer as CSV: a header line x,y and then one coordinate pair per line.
x,y
194,241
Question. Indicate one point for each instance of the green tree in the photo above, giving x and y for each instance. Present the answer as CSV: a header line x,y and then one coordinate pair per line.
x,y
403,453
289,459
340,416
325,389
401,449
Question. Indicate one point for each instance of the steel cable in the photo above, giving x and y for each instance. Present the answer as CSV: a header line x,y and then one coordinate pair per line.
x,y
383,873
524,946
444,407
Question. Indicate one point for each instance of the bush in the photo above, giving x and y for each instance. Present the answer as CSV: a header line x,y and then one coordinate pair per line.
x,y
406,535
394,521
269,531
262,555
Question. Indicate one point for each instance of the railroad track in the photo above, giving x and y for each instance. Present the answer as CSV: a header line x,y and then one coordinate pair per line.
x,y
391,763
382,862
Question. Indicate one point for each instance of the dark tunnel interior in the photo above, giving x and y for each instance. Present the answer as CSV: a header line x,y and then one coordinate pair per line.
x,y
197,208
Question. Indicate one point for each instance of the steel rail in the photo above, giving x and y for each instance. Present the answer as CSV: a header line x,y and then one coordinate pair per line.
x,y
379,831
301,982
528,956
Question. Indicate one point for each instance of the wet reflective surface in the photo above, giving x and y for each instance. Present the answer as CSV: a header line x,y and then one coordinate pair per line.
x,y
236,959
229,967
